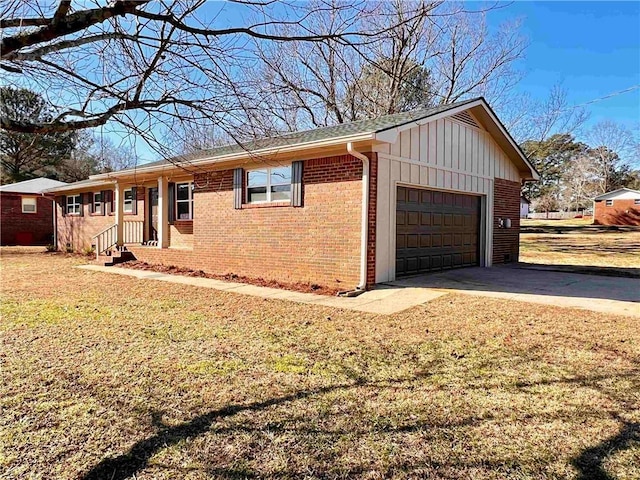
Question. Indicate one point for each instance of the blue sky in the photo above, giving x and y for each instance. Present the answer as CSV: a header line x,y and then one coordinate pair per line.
x,y
592,48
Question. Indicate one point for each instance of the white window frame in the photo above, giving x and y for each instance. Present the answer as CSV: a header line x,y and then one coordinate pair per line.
x,y
188,201
608,203
73,204
130,201
636,201
34,204
268,185
98,206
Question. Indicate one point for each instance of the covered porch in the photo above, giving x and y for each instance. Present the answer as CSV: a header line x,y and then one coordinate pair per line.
x,y
163,212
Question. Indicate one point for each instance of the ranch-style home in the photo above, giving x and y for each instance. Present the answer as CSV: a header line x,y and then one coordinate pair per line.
x,y
619,207
347,206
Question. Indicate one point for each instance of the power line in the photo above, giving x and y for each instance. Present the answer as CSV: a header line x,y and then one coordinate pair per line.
x,y
610,95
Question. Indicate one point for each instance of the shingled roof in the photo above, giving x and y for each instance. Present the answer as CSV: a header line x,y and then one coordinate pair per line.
x,y
374,125
33,186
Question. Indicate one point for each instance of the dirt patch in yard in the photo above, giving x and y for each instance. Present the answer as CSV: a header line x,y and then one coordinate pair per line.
x,y
171,269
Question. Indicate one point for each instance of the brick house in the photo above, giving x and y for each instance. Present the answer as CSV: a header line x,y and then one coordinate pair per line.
x,y
26,216
345,206
620,207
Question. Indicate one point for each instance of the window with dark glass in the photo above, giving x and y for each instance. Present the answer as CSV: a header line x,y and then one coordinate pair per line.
x,y
184,201
74,204
97,202
269,185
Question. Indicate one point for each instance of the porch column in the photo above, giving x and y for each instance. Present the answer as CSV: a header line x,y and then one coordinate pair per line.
x,y
119,204
163,212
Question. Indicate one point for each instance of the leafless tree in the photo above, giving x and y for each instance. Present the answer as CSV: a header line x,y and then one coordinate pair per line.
x,y
613,148
537,120
440,56
150,66
579,183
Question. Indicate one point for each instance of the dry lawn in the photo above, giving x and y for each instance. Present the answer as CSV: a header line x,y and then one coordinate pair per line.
x,y
555,244
111,377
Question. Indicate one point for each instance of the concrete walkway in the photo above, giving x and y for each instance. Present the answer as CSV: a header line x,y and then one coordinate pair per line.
x,y
605,294
613,295
386,300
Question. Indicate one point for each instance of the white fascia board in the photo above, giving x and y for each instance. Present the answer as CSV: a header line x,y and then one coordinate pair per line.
x,y
245,154
73,187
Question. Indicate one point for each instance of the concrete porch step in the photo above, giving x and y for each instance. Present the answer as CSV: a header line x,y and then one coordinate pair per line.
x,y
117,255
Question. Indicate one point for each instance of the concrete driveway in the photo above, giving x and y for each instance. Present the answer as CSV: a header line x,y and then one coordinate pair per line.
x,y
613,295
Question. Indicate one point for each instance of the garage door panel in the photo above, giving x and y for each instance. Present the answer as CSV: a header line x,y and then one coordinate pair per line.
x,y
436,230
412,218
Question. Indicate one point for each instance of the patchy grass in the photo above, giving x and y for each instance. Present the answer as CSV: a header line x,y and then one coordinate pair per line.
x,y
111,377
594,246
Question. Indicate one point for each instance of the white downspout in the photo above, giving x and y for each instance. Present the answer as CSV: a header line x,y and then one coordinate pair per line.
x,y
364,234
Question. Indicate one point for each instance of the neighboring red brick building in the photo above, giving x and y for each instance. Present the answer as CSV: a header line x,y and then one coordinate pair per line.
x,y
620,207
26,217
345,206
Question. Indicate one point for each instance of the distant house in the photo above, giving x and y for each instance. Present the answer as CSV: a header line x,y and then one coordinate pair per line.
x,y
524,207
26,217
620,207
347,206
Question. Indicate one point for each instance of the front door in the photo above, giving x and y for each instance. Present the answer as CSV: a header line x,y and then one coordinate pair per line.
x,y
153,214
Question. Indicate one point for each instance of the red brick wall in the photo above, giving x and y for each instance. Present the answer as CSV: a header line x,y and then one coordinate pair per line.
x,y
76,231
316,243
506,204
15,225
622,212
181,234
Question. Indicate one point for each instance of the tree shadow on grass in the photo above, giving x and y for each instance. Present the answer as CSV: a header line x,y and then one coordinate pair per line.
x,y
137,458
589,462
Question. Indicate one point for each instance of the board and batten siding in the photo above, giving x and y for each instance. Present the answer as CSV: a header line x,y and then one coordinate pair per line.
x,y
444,155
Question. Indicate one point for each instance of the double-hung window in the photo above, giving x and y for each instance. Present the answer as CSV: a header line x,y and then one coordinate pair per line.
x,y
74,204
184,201
128,201
269,185
609,203
636,201
29,205
98,203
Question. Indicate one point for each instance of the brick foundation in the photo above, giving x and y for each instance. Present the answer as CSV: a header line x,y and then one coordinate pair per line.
x,y
506,204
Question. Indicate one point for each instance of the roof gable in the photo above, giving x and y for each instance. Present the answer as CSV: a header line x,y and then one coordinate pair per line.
x,y
35,185
482,112
621,193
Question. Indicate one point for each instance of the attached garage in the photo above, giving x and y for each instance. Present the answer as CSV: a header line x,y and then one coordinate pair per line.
x,y
447,193
436,230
